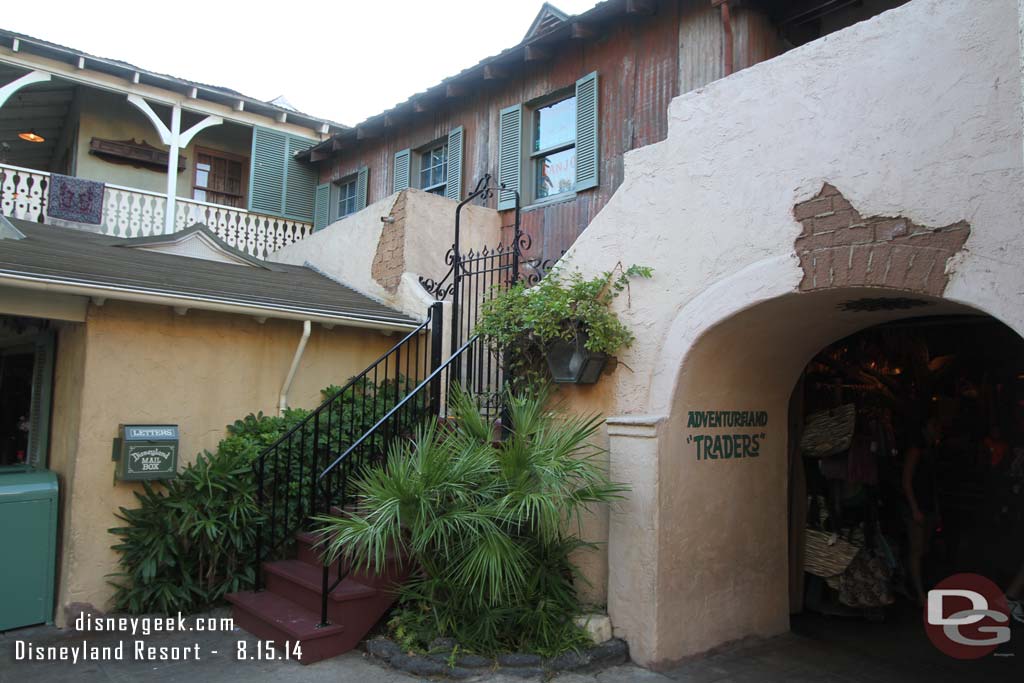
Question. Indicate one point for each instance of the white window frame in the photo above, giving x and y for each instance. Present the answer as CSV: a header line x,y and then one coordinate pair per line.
x,y
531,158
337,198
423,152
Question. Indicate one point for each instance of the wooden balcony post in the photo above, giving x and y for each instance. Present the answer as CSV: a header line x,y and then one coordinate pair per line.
x,y
175,140
172,169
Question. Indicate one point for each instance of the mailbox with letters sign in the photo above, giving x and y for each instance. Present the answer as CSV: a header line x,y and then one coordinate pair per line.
x,y
146,452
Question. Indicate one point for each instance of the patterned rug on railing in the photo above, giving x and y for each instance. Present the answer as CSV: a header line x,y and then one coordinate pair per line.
x,y
75,199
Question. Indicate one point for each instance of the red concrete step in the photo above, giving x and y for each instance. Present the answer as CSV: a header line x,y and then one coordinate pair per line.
x,y
301,583
296,585
271,617
311,554
308,551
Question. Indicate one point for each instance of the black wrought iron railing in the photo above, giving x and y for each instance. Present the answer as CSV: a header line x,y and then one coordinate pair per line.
x,y
310,470
291,485
474,277
427,400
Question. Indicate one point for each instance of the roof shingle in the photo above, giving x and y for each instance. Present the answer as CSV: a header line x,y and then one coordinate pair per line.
x,y
74,257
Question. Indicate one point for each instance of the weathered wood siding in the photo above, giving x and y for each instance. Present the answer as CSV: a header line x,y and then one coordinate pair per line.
x,y
642,61
702,42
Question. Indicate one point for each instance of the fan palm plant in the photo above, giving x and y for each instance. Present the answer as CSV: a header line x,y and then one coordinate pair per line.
x,y
488,528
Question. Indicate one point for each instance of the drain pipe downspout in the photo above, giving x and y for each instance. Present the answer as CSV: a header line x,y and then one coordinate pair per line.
x,y
727,27
282,403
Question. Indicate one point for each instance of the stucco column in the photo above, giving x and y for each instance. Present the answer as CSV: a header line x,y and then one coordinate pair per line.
x,y
633,533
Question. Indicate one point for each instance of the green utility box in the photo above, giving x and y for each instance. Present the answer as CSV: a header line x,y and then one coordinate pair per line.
x,y
28,536
146,452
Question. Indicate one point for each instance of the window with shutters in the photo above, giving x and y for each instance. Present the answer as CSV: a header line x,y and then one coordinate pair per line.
x,y
347,197
433,163
553,148
435,167
341,198
219,177
280,184
549,148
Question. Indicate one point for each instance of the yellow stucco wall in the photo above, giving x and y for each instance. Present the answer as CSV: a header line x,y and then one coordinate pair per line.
x,y
133,363
69,378
110,116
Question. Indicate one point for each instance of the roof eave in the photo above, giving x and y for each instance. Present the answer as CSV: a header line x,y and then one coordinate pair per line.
x,y
207,92
599,12
201,303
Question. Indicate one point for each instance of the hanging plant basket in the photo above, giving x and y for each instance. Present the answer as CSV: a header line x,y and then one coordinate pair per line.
x,y
571,363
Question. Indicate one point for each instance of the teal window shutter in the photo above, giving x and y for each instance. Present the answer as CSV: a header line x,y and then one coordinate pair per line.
x,y
587,160
401,171
453,186
300,181
266,174
322,207
279,184
39,410
361,181
510,152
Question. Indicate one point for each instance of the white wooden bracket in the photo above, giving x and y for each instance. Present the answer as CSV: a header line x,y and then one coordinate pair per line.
x,y
175,139
19,83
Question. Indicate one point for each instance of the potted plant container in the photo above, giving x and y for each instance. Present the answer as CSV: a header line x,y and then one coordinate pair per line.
x,y
570,362
563,322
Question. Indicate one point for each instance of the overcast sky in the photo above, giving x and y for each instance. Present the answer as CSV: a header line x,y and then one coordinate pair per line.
x,y
343,60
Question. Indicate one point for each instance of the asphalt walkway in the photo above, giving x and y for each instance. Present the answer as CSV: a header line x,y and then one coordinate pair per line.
x,y
820,650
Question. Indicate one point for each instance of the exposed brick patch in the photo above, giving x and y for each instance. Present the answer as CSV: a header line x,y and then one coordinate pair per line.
x,y
389,260
840,248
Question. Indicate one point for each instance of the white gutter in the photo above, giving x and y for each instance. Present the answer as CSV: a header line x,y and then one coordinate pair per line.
x,y
282,402
200,302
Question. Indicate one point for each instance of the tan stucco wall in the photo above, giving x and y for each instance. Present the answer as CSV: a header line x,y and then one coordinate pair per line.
x,y
110,116
140,364
345,249
68,380
915,113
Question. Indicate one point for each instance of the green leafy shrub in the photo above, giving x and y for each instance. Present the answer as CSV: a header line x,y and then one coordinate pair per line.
x,y
486,528
191,539
188,545
526,320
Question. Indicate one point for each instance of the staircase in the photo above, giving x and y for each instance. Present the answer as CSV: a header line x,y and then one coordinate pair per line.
x,y
327,608
288,609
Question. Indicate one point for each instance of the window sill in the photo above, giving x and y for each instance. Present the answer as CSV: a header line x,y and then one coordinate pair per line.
x,y
551,201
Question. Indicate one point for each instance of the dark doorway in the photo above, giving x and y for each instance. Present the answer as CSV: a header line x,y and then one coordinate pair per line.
x,y
26,384
15,403
912,454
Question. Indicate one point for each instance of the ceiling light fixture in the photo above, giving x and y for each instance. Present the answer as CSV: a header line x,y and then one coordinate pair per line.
x,y
31,136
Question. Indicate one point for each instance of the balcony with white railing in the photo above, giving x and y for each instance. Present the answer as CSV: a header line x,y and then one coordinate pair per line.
x,y
130,212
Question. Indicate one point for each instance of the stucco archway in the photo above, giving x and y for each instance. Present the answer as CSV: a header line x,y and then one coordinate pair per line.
x,y
701,558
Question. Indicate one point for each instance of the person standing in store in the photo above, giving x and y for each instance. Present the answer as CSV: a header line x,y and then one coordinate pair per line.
x,y
1015,596
919,492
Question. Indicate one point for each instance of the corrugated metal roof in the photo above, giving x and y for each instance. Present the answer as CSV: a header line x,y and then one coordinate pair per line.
x,y
65,256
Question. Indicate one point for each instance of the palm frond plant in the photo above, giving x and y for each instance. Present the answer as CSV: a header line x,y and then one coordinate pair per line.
x,y
487,528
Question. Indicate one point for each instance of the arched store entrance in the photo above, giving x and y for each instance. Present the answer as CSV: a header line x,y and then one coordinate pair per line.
x,y
906,467
722,565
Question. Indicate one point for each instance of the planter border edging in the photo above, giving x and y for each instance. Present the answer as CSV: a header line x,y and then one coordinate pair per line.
x,y
520,664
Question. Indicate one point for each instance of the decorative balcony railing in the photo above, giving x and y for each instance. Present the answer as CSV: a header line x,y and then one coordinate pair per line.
x,y
253,233
130,212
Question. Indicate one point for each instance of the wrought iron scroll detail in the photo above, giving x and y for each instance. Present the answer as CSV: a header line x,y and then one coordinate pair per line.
x,y
441,289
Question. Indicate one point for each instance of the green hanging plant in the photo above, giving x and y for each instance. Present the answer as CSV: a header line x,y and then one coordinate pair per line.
x,y
527,320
